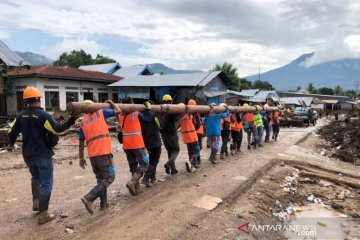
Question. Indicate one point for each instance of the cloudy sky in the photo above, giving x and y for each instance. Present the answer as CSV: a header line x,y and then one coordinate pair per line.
x,y
186,34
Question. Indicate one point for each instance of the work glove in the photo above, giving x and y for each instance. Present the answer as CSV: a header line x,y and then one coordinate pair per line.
x,y
82,163
148,105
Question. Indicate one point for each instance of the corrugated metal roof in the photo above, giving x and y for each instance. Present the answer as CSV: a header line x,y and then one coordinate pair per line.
x,y
108,68
64,73
297,100
240,94
185,80
249,92
10,58
131,71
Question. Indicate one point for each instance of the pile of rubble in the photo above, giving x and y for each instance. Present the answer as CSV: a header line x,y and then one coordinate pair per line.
x,y
343,138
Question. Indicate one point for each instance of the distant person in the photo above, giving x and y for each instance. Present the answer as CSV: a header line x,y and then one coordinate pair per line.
x,y
169,136
213,131
236,134
259,125
38,129
152,140
250,127
225,125
188,127
275,123
200,130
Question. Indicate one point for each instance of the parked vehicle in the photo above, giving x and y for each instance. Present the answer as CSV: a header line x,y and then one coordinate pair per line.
x,y
307,114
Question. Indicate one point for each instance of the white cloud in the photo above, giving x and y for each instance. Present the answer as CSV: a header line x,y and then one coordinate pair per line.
x,y
334,49
4,34
68,45
195,34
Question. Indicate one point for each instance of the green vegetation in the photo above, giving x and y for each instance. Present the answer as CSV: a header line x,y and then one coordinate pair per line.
x,y
78,58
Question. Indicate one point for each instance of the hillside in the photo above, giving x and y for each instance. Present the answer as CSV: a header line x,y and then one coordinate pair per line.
x,y
161,68
34,58
342,72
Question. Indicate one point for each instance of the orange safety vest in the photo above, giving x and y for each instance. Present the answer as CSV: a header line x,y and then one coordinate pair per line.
x,y
227,119
201,128
96,133
276,116
188,131
236,126
131,131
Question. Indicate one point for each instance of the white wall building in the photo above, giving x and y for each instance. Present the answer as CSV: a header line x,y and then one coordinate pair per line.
x,y
59,86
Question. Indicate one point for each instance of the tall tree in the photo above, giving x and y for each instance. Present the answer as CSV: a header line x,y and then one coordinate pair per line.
x,y
310,88
263,85
338,90
231,73
326,91
101,59
245,84
78,58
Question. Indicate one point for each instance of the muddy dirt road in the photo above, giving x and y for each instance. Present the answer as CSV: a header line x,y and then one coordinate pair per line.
x,y
166,210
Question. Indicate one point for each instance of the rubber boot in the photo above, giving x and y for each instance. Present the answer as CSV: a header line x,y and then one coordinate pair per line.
x,y
134,184
199,160
44,216
222,156
188,166
103,199
194,163
89,198
146,182
35,189
167,168
212,157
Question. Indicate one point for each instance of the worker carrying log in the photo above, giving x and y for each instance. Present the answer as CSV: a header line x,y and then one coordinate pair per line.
x,y
94,130
39,133
133,143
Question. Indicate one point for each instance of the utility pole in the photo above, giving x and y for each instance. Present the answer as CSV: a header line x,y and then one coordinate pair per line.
x,y
357,83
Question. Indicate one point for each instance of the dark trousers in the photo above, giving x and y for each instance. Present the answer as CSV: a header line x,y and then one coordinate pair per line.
x,y
154,156
171,144
200,138
237,139
138,160
41,171
225,134
104,169
193,150
276,130
267,132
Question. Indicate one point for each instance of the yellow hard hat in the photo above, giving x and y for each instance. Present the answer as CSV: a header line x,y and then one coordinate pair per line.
x,y
245,105
31,92
88,101
167,97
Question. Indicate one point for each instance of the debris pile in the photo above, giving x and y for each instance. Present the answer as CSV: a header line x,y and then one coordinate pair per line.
x,y
344,139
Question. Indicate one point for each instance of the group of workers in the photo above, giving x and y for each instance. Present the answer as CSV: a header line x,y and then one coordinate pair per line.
x,y
141,135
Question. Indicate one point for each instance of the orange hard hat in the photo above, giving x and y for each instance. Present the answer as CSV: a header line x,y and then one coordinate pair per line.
x,y
31,92
192,102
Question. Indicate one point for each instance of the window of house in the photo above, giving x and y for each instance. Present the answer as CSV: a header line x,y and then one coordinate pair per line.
x,y
115,97
52,102
72,97
19,101
102,97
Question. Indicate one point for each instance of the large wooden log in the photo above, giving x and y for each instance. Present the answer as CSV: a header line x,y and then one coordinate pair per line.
x,y
168,108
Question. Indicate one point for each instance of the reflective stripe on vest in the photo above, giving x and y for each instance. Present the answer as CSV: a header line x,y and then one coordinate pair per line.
x,y
132,135
188,131
96,134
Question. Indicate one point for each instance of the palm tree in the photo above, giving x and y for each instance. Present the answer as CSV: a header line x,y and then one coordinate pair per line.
x,y
338,90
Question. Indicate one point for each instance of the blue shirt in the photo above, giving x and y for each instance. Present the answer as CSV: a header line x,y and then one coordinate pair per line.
x,y
212,123
107,114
